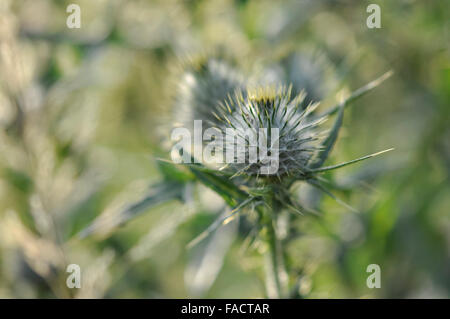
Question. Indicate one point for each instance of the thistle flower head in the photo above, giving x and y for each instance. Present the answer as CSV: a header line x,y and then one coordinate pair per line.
x,y
263,110
204,83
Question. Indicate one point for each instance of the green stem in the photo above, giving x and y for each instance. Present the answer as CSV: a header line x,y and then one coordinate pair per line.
x,y
276,276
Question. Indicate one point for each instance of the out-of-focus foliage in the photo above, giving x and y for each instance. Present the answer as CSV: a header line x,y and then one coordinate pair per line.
x,y
85,112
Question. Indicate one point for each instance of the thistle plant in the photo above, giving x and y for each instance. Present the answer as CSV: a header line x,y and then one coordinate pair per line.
x,y
302,147
213,91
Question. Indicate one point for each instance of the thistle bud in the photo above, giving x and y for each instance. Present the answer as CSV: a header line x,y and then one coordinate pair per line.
x,y
255,118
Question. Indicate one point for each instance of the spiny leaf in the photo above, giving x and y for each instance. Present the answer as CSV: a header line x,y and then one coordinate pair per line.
x,y
317,185
358,93
330,140
158,194
173,173
187,175
221,185
219,222
328,168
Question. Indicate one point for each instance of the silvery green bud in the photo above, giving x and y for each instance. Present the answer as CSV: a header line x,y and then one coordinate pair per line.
x,y
266,109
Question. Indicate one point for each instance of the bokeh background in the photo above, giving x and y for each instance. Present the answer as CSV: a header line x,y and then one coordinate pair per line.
x,y
85,112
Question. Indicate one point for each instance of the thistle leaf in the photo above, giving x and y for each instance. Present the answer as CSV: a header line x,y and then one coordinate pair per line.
x,y
158,194
221,185
319,186
222,220
358,93
329,168
171,172
181,175
330,140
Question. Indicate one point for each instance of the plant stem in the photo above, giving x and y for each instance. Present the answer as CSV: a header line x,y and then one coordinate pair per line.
x,y
276,275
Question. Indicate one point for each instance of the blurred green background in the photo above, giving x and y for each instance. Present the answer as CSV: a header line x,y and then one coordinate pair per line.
x,y
85,112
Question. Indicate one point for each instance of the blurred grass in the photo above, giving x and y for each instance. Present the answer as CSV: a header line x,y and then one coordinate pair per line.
x,y
84,113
